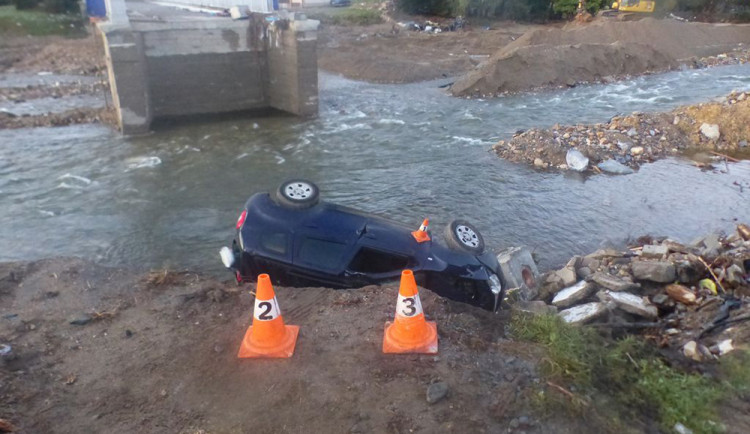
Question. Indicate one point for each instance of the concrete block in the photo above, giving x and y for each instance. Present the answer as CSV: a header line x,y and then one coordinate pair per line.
x,y
654,271
608,281
583,313
573,294
652,251
518,268
630,303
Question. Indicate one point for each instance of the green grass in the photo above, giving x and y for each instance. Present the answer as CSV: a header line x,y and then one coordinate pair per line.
x,y
350,16
626,378
39,23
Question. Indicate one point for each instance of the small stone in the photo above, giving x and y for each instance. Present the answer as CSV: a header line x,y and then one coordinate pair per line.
x,y
710,131
725,346
682,429
436,392
660,300
583,272
81,320
654,271
632,132
676,120
128,334
743,143
690,350
614,167
636,150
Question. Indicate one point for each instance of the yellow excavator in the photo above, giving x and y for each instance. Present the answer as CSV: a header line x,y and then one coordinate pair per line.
x,y
629,9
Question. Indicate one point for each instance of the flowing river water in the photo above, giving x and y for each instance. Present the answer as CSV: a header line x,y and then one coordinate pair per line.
x,y
404,151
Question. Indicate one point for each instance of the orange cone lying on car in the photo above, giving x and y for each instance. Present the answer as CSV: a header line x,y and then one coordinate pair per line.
x,y
268,337
409,332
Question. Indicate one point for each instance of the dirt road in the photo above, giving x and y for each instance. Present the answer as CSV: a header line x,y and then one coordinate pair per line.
x,y
159,355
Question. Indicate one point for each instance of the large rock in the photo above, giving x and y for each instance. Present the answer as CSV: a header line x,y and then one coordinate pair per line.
x,y
630,303
583,313
654,271
608,281
573,294
576,160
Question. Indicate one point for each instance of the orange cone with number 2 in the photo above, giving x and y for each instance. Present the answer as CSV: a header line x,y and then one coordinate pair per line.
x,y
409,332
268,337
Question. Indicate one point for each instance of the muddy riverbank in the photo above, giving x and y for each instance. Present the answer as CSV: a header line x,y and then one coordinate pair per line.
x,y
99,349
718,129
40,76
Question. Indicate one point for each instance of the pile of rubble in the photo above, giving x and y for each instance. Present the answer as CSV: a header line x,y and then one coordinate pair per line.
x,y
621,145
693,298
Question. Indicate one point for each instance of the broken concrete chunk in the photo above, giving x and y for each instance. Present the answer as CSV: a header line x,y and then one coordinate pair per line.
x,y
519,270
710,131
567,275
651,251
573,294
725,346
608,281
631,303
536,307
681,294
654,271
583,313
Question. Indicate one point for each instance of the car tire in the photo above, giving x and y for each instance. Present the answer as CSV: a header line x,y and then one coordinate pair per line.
x,y
297,194
463,236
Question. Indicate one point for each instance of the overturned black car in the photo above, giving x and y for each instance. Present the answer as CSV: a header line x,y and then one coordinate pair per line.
x,y
302,241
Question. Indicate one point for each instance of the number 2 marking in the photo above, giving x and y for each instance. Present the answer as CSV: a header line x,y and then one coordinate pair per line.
x,y
265,314
410,305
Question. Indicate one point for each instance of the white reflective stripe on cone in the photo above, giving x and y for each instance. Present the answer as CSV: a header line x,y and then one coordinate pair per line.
x,y
408,306
266,310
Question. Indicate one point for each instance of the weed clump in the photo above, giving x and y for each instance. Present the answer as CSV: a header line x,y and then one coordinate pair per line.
x,y
626,377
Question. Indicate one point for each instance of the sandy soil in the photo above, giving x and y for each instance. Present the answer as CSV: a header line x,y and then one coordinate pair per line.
x,y
159,355
601,50
640,138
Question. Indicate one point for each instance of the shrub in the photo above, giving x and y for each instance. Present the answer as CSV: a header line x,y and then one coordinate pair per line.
x,y
61,6
25,4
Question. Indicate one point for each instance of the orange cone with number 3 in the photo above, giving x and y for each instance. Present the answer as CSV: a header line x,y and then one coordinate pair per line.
x,y
409,332
268,337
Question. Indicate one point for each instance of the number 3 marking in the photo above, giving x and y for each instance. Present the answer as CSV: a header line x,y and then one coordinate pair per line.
x,y
410,305
265,314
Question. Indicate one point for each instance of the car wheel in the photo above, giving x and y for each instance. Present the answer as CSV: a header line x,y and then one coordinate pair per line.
x,y
462,235
297,194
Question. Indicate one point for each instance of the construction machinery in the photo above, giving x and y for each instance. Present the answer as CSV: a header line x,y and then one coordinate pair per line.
x,y
629,9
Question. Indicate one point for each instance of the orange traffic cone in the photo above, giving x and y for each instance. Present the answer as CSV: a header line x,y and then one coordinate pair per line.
x,y
409,332
268,337
421,234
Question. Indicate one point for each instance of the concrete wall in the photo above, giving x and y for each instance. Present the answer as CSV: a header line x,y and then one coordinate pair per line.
x,y
191,67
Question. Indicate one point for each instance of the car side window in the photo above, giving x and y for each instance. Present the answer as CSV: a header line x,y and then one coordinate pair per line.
x,y
370,260
321,253
274,242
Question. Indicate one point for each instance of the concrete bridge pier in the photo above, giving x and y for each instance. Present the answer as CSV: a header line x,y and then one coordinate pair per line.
x,y
178,65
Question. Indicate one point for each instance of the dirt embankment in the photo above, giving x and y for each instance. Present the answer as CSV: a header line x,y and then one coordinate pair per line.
x,y
387,53
52,55
599,51
157,353
630,141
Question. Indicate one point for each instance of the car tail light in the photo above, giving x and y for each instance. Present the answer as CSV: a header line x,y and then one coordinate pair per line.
x,y
241,220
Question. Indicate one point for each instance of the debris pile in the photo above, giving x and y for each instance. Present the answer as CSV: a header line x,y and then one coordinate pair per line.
x,y
621,145
429,26
693,299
